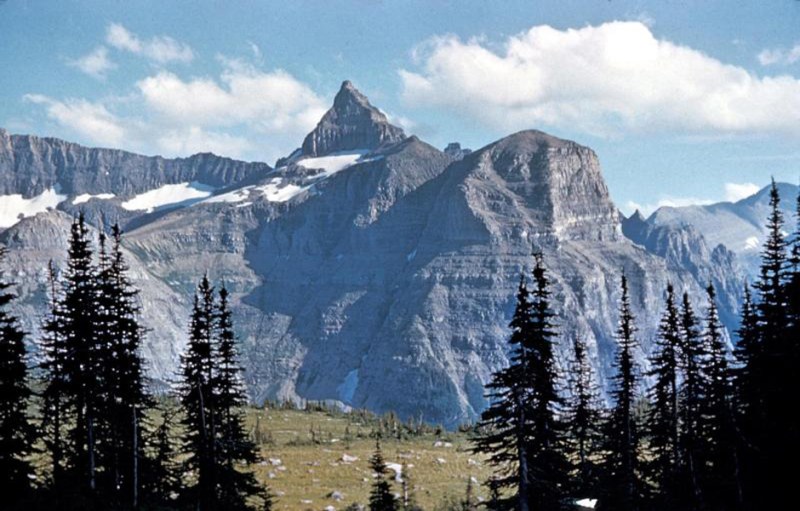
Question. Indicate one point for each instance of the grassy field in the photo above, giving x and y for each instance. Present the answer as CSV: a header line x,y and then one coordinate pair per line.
x,y
308,457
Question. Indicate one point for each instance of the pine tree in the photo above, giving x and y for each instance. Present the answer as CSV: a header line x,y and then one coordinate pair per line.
x,y
119,337
57,404
380,497
16,432
583,417
720,459
161,479
624,490
197,400
663,421
549,467
692,393
234,446
504,426
83,367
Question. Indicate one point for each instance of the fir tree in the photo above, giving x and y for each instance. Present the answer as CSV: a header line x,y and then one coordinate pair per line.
x,y
623,486
720,458
234,446
16,432
692,394
663,421
380,497
161,479
583,417
547,461
197,400
505,424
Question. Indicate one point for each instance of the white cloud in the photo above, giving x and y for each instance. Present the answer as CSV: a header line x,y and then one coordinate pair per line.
x,y
665,202
737,191
783,56
194,139
268,101
159,49
604,79
90,120
95,63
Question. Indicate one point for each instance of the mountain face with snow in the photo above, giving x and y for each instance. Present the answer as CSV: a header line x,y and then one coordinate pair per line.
x,y
368,267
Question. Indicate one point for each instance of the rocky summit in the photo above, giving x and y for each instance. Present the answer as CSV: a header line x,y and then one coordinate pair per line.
x,y
368,268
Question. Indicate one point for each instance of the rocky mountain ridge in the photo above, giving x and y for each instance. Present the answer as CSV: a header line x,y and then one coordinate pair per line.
x,y
375,270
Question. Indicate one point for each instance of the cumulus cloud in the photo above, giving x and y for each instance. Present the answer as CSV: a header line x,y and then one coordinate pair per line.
x,y
603,80
159,49
90,120
95,63
737,191
783,56
243,113
665,202
268,101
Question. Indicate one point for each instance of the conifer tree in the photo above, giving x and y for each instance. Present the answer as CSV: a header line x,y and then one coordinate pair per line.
x,y
161,479
663,422
505,423
470,502
197,400
234,446
692,394
16,432
720,459
623,487
549,468
380,497
583,417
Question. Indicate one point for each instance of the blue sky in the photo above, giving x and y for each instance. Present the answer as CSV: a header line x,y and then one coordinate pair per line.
x,y
684,101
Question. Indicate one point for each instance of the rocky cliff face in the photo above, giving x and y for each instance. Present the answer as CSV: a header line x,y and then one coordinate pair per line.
x,y
352,123
385,279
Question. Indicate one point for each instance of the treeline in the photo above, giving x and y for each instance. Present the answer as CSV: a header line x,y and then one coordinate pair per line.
x,y
101,439
703,428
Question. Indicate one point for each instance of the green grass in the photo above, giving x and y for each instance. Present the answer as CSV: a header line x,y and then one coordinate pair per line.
x,y
311,465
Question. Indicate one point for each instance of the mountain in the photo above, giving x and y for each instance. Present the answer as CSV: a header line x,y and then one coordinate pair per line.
x,y
739,226
372,269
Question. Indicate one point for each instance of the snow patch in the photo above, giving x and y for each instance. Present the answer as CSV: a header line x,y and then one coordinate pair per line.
x,y
233,196
278,191
587,503
333,163
410,257
348,387
181,194
13,207
398,471
86,197
751,243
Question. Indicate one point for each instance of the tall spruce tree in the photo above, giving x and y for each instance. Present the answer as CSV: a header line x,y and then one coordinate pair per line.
x,y
663,424
380,497
623,486
583,417
83,365
692,393
161,479
720,476
234,445
16,431
505,424
197,400
549,468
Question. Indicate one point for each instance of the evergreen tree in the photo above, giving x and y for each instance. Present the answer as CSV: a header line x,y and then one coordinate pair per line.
x,y
197,400
664,467
161,480
380,497
549,468
57,410
624,490
583,417
119,337
233,445
503,430
83,365
16,432
692,393
470,502
720,458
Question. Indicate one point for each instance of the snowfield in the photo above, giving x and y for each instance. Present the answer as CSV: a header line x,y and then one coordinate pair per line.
x,y
13,207
86,197
181,194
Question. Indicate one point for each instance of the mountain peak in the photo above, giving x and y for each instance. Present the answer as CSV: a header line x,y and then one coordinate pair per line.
x,y
352,123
